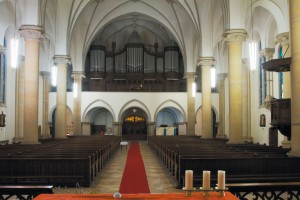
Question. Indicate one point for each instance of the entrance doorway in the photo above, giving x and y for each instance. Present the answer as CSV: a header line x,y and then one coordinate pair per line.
x,y
134,125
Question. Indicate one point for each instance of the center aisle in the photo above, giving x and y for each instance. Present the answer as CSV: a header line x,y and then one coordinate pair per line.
x,y
134,178
109,180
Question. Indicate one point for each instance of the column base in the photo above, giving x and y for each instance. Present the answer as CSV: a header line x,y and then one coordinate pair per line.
x,y
235,141
30,142
17,140
286,144
221,136
294,154
61,138
46,136
249,139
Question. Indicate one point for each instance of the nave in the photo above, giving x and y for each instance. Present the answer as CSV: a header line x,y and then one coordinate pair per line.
x,y
109,180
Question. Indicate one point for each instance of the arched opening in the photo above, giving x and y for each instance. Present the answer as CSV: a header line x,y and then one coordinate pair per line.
x,y
69,123
101,122
167,121
198,127
134,124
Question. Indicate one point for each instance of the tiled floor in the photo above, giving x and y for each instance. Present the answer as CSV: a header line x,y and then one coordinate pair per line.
x,y
110,178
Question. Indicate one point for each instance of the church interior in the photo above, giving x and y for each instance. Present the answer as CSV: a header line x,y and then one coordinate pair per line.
x,y
183,85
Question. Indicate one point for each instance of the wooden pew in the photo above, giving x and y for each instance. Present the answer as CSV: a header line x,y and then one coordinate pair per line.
x,y
258,161
57,162
4,142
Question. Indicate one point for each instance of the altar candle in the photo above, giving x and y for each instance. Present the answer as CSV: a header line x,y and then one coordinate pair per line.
x,y
221,179
206,180
188,179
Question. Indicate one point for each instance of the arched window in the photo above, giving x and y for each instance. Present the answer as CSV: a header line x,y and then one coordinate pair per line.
x,y
2,75
280,74
262,79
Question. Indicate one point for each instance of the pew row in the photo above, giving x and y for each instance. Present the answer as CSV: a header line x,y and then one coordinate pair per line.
x,y
76,160
243,163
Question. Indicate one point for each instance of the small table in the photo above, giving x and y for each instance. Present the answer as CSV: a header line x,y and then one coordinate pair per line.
x,y
124,143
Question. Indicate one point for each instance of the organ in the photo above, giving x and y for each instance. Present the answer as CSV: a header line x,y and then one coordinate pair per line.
x,y
135,66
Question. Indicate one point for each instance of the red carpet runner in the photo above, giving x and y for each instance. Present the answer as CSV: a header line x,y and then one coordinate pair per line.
x,y
134,178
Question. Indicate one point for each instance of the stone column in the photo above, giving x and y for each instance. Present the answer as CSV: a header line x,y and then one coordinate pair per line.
x,y
283,39
246,100
151,126
268,54
61,62
20,101
117,128
77,76
294,7
206,64
234,39
32,35
221,127
191,116
86,128
46,88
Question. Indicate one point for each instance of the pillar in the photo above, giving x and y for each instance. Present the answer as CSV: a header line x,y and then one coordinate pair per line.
x,y
117,128
294,7
221,83
150,128
20,101
268,53
234,40
86,128
206,64
77,76
32,35
283,39
46,88
191,116
61,62
247,115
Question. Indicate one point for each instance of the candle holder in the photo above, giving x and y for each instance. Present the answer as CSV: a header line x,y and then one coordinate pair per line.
x,y
205,192
221,191
188,192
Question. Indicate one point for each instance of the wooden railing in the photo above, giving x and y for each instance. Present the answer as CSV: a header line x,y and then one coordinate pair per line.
x,y
24,192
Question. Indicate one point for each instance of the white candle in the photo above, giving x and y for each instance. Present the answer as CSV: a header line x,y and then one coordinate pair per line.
x,y
206,180
221,179
188,179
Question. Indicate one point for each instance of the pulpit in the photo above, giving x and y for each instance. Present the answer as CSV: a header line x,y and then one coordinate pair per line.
x,y
281,116
280,108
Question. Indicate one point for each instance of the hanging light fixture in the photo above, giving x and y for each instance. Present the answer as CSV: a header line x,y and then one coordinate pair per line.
x,y
54,75
75,90
252,47
194,89
213,76
14,43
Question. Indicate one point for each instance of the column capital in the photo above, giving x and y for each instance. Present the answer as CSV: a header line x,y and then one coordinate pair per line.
x,y
283,38
235,35
44,74
222,75
206,61
78,75
189,75
267,53
31,32
2,49
61,59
